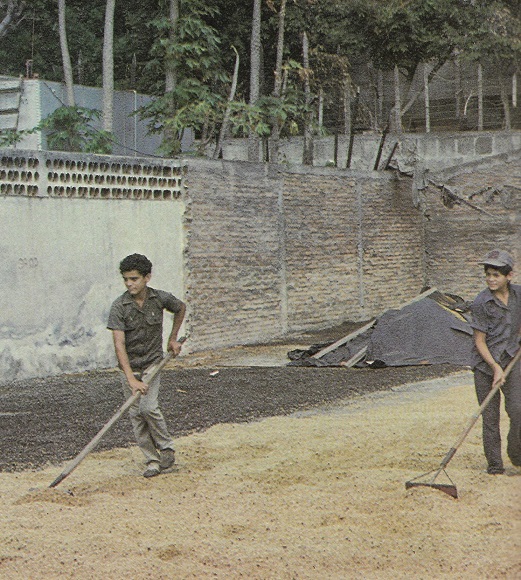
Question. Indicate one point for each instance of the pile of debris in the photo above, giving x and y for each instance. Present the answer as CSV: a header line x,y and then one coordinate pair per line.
x,y
433,328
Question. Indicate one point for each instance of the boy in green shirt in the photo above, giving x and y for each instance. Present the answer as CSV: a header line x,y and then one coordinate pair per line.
x,y
136,321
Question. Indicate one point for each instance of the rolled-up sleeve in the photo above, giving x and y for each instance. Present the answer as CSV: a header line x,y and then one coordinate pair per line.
x,y
116,319
169,301
479,317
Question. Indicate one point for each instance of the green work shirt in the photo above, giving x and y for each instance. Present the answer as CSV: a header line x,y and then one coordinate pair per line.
x,y
143,327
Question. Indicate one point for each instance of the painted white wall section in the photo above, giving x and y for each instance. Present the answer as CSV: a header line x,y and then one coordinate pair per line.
x,y
59,273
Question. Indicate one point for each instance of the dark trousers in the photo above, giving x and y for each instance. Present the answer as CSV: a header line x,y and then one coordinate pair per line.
x,y
491,430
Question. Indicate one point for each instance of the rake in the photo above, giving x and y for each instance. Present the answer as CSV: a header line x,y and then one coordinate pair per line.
x,y
429,478
147,377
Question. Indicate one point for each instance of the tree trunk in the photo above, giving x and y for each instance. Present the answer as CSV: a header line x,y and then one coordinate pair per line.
x,y
415,95
275,127
426,97
347,108
255,59
459,91
396,113
108,66
226,119
506,104
380,85
307,156
66,57
321,107
170,69
514,90
480,97
12,17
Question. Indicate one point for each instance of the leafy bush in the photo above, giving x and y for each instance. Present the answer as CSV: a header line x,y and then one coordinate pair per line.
x,y
70,129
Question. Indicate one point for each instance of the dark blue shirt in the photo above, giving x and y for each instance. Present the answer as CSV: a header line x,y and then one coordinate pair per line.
x,y
500,322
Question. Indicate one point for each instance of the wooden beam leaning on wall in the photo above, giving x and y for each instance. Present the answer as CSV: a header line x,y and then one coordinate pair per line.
x,y
360,354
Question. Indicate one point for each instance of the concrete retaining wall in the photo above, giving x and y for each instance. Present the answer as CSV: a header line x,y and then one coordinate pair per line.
x,y
434,150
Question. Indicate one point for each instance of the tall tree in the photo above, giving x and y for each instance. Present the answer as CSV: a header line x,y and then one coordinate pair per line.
x,y
255,66
493,42
66,57
108,66
170,67
277,88
307,157
12,10
196,99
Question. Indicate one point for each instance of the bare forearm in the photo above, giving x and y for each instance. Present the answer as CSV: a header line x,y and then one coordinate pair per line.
x,y
176,325
124,362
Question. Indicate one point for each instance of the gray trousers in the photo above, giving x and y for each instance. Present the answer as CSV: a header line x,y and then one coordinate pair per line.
x,y
491,430
148,423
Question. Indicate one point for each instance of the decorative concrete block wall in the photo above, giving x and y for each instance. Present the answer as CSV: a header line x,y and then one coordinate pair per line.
x,y
66,223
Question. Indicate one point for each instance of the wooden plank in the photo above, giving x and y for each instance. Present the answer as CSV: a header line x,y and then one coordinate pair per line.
x,y
367,326
355,358
344,340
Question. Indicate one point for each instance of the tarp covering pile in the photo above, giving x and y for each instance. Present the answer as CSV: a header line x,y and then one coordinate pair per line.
x,y
432,330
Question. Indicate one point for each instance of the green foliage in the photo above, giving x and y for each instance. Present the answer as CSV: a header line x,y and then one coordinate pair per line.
x,y
287,111
10,137
192,51
495,35
385,32
70,129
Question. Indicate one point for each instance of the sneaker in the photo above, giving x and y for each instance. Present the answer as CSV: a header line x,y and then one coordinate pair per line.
x,y
167,458
152,471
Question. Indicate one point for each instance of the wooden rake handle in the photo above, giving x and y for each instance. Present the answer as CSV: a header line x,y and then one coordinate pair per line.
x,y
477,414
148,376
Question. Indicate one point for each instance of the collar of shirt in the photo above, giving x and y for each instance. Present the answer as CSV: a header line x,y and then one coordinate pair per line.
x,y
127,297
490,296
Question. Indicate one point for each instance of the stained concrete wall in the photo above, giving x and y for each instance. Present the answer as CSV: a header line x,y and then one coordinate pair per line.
x,y
60,255
434,150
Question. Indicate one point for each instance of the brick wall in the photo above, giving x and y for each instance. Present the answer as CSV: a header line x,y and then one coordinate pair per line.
x,y
276,249
456,238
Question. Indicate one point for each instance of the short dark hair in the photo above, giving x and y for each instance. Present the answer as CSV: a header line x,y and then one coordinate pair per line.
x,y
505,270
136,262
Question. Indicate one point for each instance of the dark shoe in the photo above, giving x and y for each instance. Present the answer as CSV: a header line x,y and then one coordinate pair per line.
x,y
167,458
152,471
495,470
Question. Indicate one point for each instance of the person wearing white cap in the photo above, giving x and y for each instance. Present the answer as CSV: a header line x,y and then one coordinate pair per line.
x,y
496,322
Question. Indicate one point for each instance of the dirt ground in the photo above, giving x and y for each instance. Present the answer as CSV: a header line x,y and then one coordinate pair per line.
x,y
283,473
